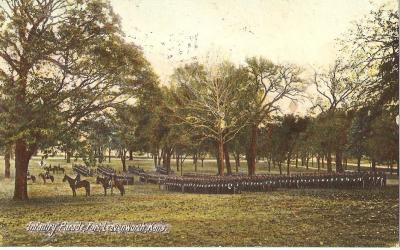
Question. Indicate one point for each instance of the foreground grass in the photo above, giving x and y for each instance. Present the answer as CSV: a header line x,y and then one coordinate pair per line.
x,y
280,218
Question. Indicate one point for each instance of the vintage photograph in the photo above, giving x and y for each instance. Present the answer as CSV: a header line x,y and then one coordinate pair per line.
x,y
199,123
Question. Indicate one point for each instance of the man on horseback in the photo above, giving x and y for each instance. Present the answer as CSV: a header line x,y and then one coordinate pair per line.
x,y
78,178
47,174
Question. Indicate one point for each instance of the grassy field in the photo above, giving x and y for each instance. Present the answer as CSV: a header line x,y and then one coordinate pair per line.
x,y
279,218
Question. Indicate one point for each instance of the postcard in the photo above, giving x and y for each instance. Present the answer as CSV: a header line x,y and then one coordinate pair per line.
x,y
214,123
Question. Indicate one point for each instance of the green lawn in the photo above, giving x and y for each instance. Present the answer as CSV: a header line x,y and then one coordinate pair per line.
x,y
279,218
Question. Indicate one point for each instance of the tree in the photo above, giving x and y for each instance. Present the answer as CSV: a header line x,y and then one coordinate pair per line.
x,y
124,127
373,45
292,127
65,59
276,145
271,83
337,88
7,165
238,146
358,132
383,141
148,112
208,103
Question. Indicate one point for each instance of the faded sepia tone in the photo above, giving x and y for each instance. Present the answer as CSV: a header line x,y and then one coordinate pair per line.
x,y
199,123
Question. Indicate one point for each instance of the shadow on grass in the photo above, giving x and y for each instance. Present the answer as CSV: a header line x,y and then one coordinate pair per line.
x,y
54,200
388,192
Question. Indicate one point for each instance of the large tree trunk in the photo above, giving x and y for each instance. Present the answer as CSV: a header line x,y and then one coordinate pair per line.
x,y
373,165
195,158
280,167
269,164
237,161
7,164
100,155
220,156
312,161
68,156
22,158
288,166
338,160
227,161
168,160
155,159
297,160
329,162
109,155
160,157
123,160
307,161
131,155
318,162
182,160
177,162
359,163
252,151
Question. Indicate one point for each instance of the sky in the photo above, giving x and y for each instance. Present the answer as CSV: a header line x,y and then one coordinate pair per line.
x,y
175,32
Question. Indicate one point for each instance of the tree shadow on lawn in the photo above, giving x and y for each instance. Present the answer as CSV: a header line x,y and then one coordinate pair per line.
x,y
385,193
55,200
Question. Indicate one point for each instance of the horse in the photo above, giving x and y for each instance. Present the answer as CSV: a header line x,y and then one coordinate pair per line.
x,y
46,176
75,185
118,184
105,182
58,168
61,169
112,182
31,177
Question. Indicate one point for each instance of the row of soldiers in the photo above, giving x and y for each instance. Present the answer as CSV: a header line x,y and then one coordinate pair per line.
x,y
262,183
110,172
135,170
54,169
152,178
82,170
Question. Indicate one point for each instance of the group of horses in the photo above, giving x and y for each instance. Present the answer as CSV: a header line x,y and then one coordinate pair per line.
x,y
44,176
108,182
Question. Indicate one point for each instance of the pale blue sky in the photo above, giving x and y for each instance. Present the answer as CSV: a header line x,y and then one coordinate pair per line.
x,y
173,32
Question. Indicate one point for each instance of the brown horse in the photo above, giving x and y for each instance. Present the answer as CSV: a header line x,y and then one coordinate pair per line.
x,y
111,182
46,176
75,185
118,184
31,177
105,182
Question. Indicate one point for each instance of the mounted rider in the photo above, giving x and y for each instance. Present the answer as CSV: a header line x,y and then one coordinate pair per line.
x,y
77,178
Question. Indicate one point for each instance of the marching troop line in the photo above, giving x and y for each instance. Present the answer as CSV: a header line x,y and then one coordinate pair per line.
x,y
82,170
145,177
262,183
135,170
212,184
